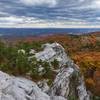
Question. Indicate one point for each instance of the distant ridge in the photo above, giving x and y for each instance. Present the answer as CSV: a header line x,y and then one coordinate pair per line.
x,y
12,34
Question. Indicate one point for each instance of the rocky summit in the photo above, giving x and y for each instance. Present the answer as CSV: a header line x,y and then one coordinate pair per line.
x,y
68,85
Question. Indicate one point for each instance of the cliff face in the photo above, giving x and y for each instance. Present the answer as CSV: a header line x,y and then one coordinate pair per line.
x,y
68,84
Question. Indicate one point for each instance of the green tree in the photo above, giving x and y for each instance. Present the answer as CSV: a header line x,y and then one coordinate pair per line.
x,y
22,64
2,52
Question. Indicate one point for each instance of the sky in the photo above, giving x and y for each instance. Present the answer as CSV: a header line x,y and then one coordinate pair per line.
x,y
50,13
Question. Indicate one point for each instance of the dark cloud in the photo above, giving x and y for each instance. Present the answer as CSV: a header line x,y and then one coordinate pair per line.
x,y
52,11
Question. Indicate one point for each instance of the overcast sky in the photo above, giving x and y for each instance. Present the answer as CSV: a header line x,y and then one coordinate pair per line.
x,y
49,13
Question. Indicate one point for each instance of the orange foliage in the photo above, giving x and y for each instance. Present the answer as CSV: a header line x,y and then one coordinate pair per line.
x,y
90,82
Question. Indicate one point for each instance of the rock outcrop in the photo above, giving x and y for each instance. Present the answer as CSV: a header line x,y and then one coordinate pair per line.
x,y
51,52
12,88
68,85
69,82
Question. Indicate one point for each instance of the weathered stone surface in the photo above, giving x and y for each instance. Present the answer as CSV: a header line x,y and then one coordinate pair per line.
x,y
51,52
70,84
12,88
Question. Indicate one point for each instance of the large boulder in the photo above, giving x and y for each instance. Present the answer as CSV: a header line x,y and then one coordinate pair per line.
x,y
12,88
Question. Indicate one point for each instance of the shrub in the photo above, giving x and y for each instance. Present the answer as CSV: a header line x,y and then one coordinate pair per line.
x,y
50,82
96,98
73,98
55,64
66,66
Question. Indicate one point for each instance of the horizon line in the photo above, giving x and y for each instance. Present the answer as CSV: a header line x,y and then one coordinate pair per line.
x,y
51,26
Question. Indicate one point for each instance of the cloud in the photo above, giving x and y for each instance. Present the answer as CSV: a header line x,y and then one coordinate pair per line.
x,y
96,4
11,19
50,3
